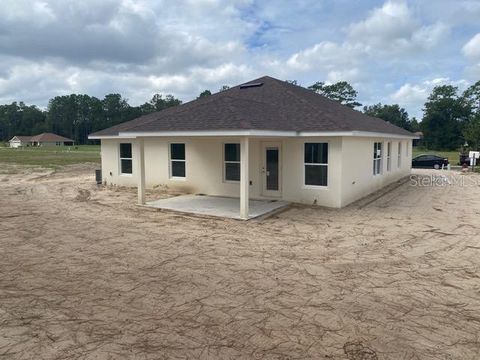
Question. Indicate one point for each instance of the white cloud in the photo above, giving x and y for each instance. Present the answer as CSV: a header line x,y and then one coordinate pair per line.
x,y
429,36
139,47
391,30
472,48
409,94
394,29
414,96
326,54
392,21
350,75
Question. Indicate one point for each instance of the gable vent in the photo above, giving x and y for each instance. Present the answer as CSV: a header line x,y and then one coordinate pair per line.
x,y
246,86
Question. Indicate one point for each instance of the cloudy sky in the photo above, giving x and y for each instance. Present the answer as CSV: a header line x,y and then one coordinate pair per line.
x,y
391,51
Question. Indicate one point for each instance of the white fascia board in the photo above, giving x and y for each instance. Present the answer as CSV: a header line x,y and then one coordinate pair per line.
x,y
103,137
252,133
356,134
384,135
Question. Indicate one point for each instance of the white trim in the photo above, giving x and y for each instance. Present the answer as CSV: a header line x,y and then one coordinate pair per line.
x,y
262,133
356,133
377,159
111,137
388,154
170,160
265,145
224,180
140,169
120,170
211,133
309,186
399,155
244,178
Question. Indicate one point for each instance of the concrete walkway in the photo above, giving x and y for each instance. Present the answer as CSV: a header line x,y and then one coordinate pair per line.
x,y
216,205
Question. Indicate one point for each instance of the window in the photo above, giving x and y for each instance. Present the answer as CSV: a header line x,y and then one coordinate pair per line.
x,y
389,155
377,158
232,162
126,158
316,164
399,159
177,160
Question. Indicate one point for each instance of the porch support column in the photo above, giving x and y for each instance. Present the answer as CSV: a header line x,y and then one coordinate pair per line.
x,y
140,151
244,178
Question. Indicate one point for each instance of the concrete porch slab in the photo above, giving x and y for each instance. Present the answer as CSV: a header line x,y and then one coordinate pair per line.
x,y
216,205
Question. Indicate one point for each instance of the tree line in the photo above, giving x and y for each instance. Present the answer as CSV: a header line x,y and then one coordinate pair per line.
x,y
450,118
76,115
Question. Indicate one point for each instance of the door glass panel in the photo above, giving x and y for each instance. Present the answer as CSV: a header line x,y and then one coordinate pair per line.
x,y
272,169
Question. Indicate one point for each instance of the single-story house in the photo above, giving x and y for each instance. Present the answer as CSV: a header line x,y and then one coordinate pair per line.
x,y
264,139
49,139
418,140
44,139
18,141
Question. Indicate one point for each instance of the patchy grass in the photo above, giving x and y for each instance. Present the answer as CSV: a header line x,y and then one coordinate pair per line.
x,y
452,156
51,157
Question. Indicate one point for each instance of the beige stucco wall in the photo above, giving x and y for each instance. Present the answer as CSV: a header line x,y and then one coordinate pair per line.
x,y
293,173
357,166
350,160
204,165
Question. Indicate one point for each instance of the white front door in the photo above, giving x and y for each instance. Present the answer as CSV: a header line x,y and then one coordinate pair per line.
x,y
271,169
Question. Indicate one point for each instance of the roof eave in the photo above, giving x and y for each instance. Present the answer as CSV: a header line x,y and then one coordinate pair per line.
x,y
251,133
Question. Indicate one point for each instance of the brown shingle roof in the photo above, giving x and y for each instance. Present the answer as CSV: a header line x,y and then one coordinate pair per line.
x,y
275,105
22,138
49,137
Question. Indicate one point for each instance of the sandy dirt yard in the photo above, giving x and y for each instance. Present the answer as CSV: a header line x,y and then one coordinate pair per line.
x,y
86,274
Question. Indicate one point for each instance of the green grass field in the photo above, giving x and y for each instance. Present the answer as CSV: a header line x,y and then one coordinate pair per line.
x,y
50,157
452,156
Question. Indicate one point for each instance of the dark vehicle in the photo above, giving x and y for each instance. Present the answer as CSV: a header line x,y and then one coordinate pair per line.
x,y
464,159
429,161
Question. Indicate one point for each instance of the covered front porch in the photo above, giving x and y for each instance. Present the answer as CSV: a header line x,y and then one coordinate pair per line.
x,y
217,206
240,206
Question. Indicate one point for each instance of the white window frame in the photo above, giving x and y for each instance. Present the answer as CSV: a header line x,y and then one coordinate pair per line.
x,y
120,159
399,156
170,160
225,162
308,186
377,158
389,156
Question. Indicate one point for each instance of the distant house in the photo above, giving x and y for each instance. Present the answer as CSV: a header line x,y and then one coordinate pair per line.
x,y
418,140
49,139
44,139
18,141
265,139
